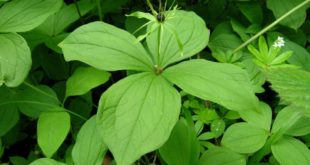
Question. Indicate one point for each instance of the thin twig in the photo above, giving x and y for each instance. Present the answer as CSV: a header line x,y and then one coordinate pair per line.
x,y
271,25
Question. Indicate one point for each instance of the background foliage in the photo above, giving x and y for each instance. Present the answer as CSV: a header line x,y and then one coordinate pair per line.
x,y
148,82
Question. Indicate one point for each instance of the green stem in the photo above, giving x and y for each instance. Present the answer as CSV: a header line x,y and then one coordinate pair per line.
x,y
271,25
75,114
99,10
151,7
95,106
160,36
71,112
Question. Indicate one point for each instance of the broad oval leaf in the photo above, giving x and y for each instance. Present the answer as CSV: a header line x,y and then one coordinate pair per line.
x,y
106,47
255,14
244,138
177,38
223,41
218,127
58,22
15,59
137,114
52,128
224,84
300,128
30,100
221,156
182,147
290,151
261,118
46,161
291,122
293,21
89,141
22,16
84,79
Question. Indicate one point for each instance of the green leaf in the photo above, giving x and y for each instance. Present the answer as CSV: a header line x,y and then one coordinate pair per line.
x,y
137,114
185,28
46,161
224,42
58,22
52,42
263,47
36,99
17,160
261,118
52,128
221,156
300,128
217,127
296,19
291,122
84,79
89,141
244,138
30,100
290,151
15,59
182,147
293,86
22,16
281,58
224,84
206,136
34,39
300,57
139,14
256,53
8,119
106,47
252,11
239,29
54,65
83,106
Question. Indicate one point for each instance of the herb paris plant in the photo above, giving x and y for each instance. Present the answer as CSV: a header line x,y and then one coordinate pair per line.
x,y
48,111
144,107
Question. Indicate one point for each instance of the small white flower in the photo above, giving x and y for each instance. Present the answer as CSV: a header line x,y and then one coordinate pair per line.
x,y
279,42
